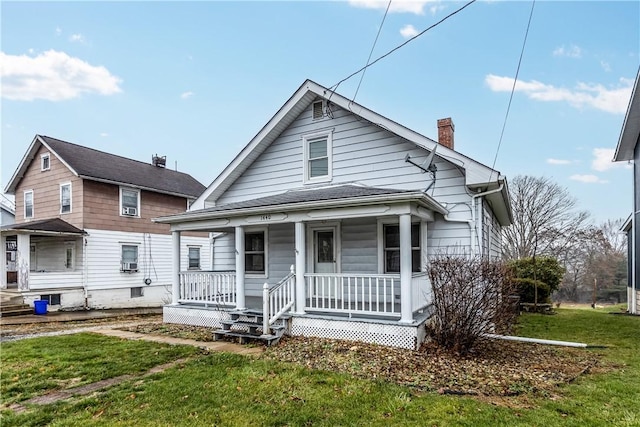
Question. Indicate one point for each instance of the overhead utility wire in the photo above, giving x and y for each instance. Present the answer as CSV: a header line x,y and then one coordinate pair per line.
x,y
513,89
371,52
335,86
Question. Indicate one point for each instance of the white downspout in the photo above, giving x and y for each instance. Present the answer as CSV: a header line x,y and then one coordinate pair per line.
x,y
473,226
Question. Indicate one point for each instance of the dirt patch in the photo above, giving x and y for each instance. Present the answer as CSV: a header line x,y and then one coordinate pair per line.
x,y
501,372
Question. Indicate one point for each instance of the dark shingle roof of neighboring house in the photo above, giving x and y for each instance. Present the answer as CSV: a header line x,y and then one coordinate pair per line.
x,y
54,225
96,165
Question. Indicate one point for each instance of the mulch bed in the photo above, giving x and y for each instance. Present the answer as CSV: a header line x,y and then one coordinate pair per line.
x,y
495,369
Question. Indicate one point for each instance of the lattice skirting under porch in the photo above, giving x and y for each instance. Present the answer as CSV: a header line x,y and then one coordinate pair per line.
x,y
409,336
194,316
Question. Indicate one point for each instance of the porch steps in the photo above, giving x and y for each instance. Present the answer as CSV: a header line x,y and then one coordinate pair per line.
x,y
7,310
246,326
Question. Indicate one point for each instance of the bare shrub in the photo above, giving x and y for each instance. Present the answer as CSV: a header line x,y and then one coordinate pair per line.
x,y
472,297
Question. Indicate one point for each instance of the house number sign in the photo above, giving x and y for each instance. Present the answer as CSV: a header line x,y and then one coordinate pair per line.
x,y
270,217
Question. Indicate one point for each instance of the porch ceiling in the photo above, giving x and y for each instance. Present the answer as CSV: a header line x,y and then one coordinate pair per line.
x,y
310,199
46,226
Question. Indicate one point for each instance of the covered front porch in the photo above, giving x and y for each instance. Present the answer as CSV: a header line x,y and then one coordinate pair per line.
x,y
354,269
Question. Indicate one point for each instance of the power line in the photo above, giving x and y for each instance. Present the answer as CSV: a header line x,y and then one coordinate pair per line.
x,y
371,52
335,86
513,89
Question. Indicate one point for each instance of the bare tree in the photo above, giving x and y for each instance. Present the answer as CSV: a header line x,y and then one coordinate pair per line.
x,y
545,218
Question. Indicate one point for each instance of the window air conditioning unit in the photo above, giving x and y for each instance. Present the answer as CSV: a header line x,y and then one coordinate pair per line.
x,y
129,211
129,266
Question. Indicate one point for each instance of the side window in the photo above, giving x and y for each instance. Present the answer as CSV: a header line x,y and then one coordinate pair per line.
x,y
129,258
65,198
129,202
317,157
194,258
254,252
28,204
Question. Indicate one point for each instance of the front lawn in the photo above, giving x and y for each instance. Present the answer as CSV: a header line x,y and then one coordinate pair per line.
x,y
229,390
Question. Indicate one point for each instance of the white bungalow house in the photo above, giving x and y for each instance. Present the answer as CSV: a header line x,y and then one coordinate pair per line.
x,y
329,216
628,149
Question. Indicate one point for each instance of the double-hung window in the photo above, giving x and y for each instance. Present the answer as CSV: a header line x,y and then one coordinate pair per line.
x,y
45,162
254,252
392,248
194,258
317,157
129,258
129,202
65,198
28,204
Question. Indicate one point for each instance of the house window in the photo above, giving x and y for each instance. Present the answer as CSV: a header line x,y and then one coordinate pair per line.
x,y
129,202
65,198
318,110
317,162
392,248
194,258
129,258
28,204
69,256
136,292
45,162
52,299
254,252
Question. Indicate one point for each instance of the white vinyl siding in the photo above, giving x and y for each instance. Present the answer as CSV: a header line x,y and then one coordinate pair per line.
x,y
65,198
52,254
359,246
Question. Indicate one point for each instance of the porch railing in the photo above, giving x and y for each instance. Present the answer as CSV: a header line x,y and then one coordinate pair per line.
x,y
208,287
372,294
421,291
278,299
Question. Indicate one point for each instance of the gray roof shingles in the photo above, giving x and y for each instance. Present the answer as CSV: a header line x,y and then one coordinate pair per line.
x,y
98,165
55,225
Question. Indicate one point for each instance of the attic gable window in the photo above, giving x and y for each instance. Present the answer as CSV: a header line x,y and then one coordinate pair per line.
x,y
318,157
45,162
317,110
129,202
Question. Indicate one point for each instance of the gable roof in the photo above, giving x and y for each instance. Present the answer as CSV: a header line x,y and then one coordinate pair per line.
x,y
476,174
630,128
96,165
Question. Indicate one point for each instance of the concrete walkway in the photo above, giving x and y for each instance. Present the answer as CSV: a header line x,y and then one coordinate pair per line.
x,y
77,316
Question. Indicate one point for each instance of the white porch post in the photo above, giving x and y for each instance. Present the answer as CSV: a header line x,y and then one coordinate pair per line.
x,y
406,314
240,268
3,262
175,272
23,261
300,246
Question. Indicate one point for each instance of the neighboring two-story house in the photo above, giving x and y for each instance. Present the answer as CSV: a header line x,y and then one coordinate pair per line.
x,y
628,149
329,216
83,232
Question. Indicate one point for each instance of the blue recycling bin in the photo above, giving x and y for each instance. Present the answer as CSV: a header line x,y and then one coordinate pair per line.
x,y
40,306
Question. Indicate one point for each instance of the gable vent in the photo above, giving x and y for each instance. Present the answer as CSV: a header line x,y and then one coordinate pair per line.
x,y
317,110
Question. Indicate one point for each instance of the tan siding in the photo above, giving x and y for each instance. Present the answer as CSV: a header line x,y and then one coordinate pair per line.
x,y
46,191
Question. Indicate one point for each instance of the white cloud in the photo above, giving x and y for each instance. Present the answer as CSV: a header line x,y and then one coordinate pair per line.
x,y
186,95
603,160
605,66
588,179
77,38
58,31
400,6
54,76
558,162
611,100
104,134
408,31
572,51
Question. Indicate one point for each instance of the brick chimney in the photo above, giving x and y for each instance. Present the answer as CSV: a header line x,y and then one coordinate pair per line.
x,y
445,132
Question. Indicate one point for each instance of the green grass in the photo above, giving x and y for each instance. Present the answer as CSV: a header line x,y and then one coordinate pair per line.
x,y
226,389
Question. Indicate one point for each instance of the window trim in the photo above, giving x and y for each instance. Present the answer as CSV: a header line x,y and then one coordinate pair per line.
x,y
33,208
382,264
265,232
136,190
44,156
137,261
70,198
199,266
306,139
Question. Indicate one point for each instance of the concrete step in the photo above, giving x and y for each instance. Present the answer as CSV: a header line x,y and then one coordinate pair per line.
x,y
15,310
8,297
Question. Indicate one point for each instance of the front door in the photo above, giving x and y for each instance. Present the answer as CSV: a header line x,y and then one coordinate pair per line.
x,y
324,250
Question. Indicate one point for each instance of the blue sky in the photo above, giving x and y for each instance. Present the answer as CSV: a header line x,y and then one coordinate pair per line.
x,y
195,81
